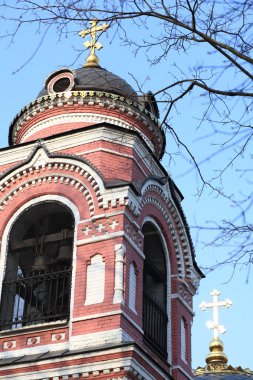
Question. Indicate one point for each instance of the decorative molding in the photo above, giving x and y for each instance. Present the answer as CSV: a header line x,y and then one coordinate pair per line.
x,y
116,369
48,179
82,138
89,370
103,99
185,294
84,117
134,234
94,316
114,197
100,238
9,344
58,337
224,369
175,224
103,225
33,340
148,200
177,296
96,339
120,252
42,170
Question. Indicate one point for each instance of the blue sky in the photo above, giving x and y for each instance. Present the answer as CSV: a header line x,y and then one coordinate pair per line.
x,y
22,75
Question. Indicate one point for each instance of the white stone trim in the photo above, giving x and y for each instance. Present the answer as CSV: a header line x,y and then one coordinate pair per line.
x,y
138,250
120,252
100,238
176,236
181,241
40,159
109,367
34,350
114,196
101,216
83,117
66,170
95,280
94,316
134,203
79,341
48,326
100,338
89,369
108,314
68,370
19,153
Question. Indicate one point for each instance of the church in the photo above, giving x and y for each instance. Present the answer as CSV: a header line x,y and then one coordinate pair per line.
x,y
98,270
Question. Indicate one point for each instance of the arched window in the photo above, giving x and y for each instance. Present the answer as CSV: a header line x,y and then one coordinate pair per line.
x,y
154,290
36,285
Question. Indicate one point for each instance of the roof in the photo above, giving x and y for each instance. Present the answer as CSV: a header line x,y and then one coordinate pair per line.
x,y
217,367
96,79
244,375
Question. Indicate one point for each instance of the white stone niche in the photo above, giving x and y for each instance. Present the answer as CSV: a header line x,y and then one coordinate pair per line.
x,y
95,282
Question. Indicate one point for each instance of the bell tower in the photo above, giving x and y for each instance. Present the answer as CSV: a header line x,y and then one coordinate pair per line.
x,y
97,265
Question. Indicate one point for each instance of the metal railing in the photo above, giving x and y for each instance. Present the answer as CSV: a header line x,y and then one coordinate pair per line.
x,y
38,297
155,322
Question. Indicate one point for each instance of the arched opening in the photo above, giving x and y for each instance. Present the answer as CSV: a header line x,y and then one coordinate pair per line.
x,y
37,280
155,317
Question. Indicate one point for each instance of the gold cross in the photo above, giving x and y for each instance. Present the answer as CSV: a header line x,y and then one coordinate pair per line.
x,y
215,305
92,59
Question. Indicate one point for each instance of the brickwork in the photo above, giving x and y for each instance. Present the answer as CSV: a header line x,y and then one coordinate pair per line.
x,y
105,169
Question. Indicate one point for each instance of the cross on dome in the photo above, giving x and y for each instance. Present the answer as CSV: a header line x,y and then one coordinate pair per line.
x,y
92,59
215,305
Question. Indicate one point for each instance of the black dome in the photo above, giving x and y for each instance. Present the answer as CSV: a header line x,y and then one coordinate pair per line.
x,y
97,79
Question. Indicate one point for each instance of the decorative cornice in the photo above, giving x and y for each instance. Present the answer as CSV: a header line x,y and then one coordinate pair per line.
x,y
222,369
82,117
91,98
42,169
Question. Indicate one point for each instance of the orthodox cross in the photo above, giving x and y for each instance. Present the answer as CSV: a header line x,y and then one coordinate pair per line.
x,y
215,305
92,59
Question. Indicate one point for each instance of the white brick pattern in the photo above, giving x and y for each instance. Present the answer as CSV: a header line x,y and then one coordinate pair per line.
x,y
95,286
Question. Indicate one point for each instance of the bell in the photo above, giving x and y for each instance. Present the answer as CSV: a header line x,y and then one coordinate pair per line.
x,y
65,250
40,263
65,253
